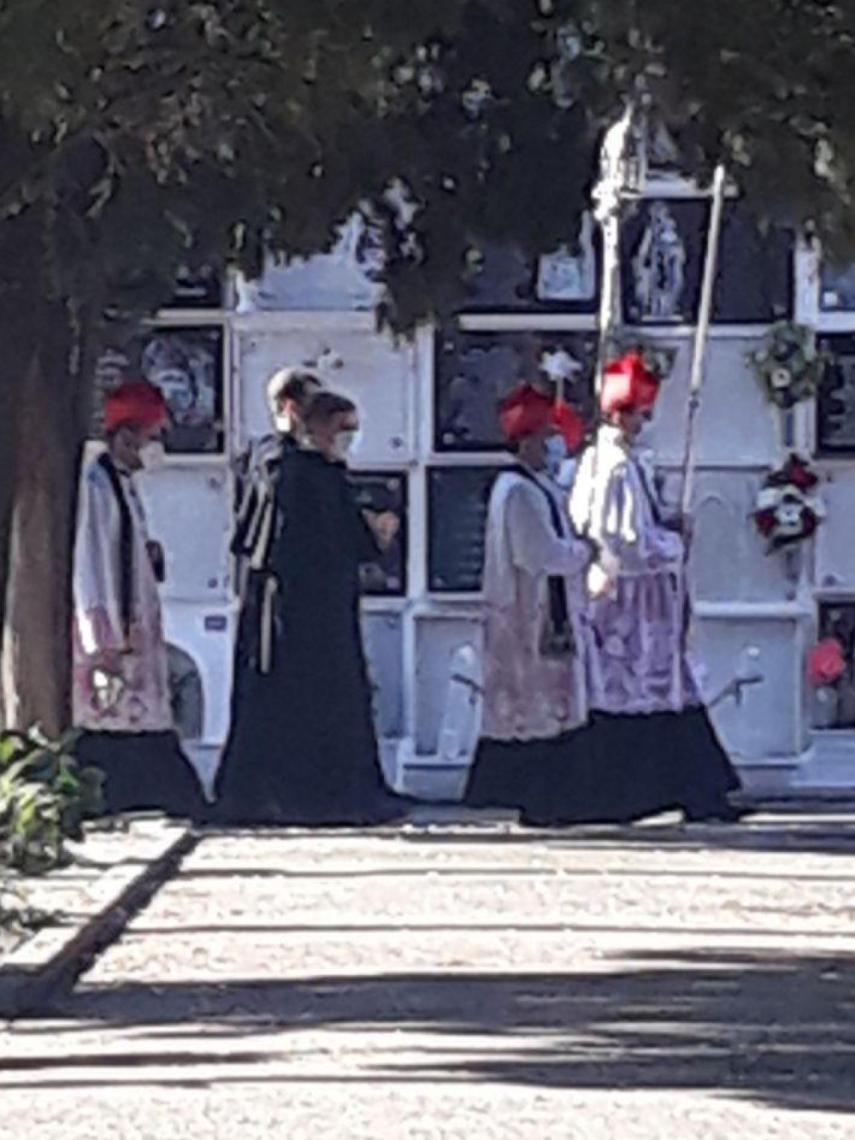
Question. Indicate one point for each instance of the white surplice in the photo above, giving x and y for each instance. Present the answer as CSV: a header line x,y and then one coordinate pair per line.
x,y
529,696
137,697
640,663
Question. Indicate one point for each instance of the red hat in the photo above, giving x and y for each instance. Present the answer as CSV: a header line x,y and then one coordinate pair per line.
x,y
526,411
135,403
628,385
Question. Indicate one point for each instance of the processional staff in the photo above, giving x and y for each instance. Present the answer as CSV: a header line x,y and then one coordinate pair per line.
x,y
696,376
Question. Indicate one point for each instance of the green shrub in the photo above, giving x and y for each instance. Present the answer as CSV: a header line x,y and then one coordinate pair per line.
x,y
44,798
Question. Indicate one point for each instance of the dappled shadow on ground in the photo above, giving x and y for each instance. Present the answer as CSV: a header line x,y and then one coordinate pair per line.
x,y
773,1027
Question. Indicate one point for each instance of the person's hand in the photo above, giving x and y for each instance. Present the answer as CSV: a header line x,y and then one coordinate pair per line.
x,y
599,583
106,680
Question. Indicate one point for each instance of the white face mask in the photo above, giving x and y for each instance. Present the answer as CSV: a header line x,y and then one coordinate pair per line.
x,y
556,453
152,455
283,423
345,442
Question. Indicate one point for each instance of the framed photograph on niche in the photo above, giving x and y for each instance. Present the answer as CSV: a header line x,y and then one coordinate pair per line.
x,y
663,246
476,370
458,498
186,363
380,491
835,402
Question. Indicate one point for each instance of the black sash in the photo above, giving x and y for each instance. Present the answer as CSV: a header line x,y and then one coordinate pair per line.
x,y
561,640
649,492
126,544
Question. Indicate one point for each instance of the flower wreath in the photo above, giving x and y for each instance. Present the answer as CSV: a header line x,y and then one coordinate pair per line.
x,y
788,510
789,366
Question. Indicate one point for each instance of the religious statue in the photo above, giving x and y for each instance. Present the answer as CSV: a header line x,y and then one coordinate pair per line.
x,y
659,267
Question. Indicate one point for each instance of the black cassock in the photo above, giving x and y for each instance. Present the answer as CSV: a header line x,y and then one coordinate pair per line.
x,y
303,748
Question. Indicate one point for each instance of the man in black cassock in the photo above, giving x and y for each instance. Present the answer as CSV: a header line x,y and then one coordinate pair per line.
x,y
303,748
288,392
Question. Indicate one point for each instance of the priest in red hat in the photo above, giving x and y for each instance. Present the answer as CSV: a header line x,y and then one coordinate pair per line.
x,y
651,746
121,696
536,643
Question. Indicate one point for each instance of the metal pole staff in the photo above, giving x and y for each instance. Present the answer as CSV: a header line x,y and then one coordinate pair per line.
x,y
696,377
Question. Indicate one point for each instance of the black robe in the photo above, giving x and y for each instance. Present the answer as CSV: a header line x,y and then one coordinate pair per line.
x,y
303,748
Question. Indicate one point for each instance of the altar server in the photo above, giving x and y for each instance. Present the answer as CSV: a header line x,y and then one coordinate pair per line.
x,y
652,744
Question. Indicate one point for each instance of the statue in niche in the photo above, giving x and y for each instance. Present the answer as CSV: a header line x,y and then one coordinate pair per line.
x,y
567,274
659,267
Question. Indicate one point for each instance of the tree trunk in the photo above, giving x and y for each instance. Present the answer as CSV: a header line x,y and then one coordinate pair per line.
x,y
37,634
8,390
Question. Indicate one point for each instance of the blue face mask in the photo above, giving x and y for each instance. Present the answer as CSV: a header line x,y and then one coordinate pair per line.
x,y
556,453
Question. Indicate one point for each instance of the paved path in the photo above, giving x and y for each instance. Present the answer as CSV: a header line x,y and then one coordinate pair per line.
x,y
467,981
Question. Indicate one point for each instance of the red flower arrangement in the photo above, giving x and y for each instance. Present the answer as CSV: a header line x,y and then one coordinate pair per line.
x,y
825,663
787,509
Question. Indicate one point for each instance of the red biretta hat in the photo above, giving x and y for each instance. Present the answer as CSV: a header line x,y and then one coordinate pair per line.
x,y
135,403
526,411
628,385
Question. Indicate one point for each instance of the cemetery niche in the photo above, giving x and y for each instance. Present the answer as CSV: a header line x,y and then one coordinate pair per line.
x,y
475,371
458,498
562,280
831,667
378,491
663,246
837,289
186,364
835,405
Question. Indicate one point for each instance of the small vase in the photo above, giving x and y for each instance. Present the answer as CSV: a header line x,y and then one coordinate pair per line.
x,y
786,429
825,703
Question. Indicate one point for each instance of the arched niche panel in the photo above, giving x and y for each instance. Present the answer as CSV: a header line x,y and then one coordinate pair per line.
x,y
437,640
735,425
767,723
729,560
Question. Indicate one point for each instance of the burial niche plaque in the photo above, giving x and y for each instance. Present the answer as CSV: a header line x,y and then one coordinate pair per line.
x,y
457,514
835,405
377,491
476,370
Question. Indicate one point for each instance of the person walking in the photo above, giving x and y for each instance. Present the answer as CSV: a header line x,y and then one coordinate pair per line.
x,y
303,748
120,695
651,745
536,640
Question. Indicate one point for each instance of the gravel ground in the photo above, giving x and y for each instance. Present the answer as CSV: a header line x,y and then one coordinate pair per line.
x,y
467,981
